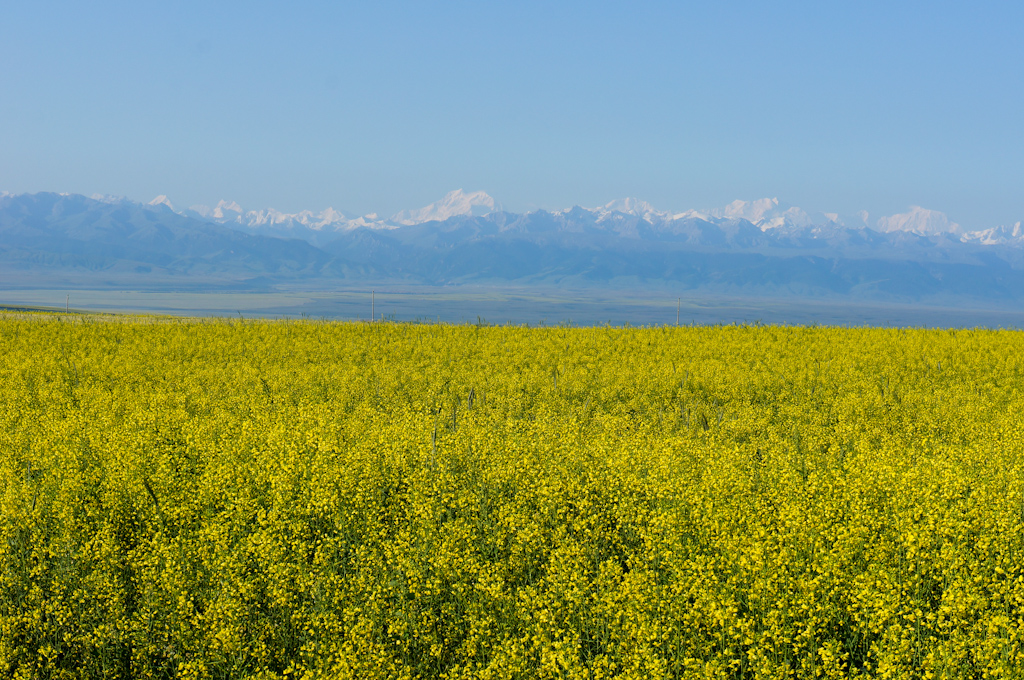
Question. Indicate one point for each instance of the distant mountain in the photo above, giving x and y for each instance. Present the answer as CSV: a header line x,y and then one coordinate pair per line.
x,y
321,227
920,221
583,247
767,214
755,248
115,237
455,204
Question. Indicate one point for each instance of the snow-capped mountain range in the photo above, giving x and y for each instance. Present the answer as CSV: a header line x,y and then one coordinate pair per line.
x,y
318,227
767,214
761,248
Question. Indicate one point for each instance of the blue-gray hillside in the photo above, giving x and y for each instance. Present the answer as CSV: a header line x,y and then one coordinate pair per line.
x,y
57,233
573,248
51,237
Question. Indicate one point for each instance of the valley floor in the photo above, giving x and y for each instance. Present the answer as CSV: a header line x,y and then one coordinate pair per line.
x,y
524,305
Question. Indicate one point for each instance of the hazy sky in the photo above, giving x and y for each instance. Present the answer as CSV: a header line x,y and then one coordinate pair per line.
x,y
388,105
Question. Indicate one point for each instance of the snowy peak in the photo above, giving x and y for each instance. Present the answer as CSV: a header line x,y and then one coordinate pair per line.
x,y
303,224
861,220
767,213
920,221
996,235
224,210
103,198
752,211
634,207
326,218
620,216
629,206
455,203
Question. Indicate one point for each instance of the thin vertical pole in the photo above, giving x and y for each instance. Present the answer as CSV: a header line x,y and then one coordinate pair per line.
x,y
373,315
677,310
67,304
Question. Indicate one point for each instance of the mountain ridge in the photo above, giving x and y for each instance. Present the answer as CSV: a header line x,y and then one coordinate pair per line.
x,y
766,214
628,243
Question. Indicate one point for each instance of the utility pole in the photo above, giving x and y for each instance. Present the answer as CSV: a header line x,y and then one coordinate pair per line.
x,y
677,311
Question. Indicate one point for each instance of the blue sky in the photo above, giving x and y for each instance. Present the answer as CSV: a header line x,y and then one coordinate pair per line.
x,y
387,105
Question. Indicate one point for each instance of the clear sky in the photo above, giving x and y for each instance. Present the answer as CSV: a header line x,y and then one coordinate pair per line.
x,y
388,105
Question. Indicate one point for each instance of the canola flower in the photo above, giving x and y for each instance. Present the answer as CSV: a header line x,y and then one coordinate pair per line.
x,y
255,499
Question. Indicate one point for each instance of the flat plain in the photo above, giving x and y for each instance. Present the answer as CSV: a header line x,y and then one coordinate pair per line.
x,y
531,305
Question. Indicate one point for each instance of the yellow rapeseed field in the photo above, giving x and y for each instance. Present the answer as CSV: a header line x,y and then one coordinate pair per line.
x,y
231,499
